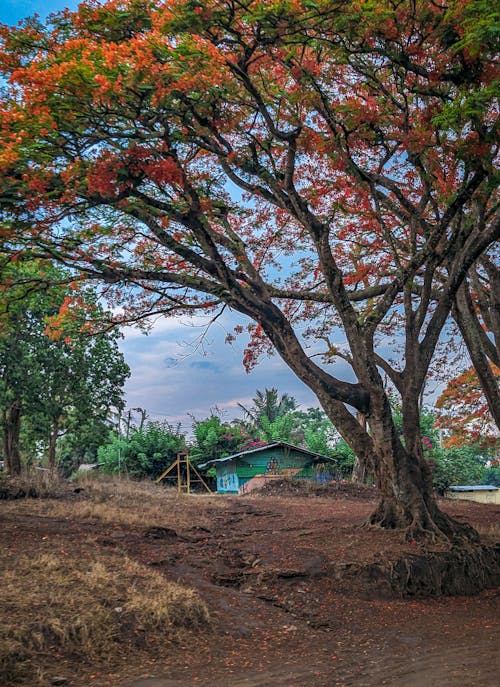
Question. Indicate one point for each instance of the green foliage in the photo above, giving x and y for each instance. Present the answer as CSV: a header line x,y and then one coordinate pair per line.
x,y
111,455
147,453
344,455
280,429
268,405
215,439
315,430
66,384
452,466
77,447
491,475
459,465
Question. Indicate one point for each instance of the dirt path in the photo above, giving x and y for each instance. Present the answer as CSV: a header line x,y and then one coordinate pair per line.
x,y
267,567
430,646
288,605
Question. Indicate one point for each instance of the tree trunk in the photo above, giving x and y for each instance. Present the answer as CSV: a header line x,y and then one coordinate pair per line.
x,y
404,478
10,442
471,331
52,445
359,472
359,469
401,473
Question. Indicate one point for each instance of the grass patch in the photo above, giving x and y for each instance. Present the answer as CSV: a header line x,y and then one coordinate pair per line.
x,y
33,484
58,607
120,501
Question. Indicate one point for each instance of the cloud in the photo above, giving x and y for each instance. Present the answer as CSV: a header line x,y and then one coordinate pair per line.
x,y
179,370
204,365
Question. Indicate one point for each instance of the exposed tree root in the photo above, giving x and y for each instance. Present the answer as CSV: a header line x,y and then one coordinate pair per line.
x,y
457,571
423,523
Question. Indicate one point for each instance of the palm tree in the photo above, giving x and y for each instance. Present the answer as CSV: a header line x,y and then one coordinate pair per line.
x,y
269,405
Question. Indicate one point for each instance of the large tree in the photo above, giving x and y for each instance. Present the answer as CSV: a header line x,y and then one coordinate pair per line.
x,y
327,162
54,382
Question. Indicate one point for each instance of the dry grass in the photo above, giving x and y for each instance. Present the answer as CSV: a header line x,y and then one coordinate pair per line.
x,y
121,501
56,606
33,484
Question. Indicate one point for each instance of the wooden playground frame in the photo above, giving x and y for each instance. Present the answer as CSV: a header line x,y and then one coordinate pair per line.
x,y
184,477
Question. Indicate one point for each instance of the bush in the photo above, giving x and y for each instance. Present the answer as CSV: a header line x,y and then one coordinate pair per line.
x,y
147,453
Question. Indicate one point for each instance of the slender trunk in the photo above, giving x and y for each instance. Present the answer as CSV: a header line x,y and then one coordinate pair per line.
x,y
359,469
10,442
52,445
359,472
490,307
468,324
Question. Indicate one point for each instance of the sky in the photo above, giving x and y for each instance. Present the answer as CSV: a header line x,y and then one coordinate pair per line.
x,y
174,375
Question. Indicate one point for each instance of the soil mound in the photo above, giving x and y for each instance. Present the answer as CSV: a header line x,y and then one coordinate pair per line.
x,y
298,487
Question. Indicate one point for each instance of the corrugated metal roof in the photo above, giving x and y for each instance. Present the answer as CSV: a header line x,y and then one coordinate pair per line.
x,y
474,487
318,456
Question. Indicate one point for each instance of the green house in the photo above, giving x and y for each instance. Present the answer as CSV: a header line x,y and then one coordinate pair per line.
x,y
251,469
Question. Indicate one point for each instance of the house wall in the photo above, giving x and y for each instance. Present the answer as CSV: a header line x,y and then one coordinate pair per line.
x,y
481,496
254,469
227,479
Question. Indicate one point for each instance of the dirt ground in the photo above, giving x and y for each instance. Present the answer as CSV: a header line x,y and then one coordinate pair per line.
x,y
290,599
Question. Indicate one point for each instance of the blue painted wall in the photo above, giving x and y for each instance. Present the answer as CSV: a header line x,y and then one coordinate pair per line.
x,y
227,479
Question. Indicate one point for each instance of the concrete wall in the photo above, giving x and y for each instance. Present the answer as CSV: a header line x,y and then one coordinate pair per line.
x,y
481,496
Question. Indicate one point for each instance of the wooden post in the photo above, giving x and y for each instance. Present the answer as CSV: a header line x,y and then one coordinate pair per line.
x,y
179,474
182,458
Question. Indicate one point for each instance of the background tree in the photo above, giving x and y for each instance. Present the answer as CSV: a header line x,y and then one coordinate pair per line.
x,y
57,385
83,379
147,453
215,439
280,429
464,464
363,137
463,411
27,301
268,405
313,429
16,341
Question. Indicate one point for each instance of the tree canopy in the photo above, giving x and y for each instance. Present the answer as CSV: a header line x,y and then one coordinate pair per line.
x,y
464,412
319,167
